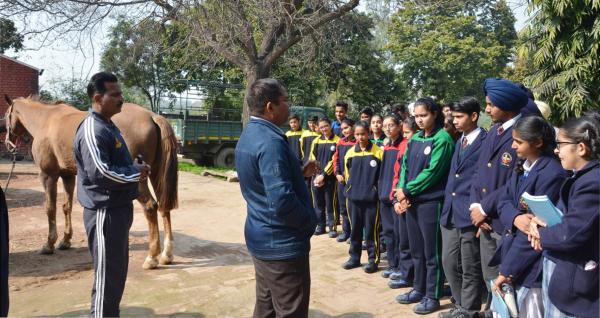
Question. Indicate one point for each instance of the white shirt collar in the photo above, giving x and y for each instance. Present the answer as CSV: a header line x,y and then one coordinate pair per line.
x,y
528,166
510,122
472,135
270,123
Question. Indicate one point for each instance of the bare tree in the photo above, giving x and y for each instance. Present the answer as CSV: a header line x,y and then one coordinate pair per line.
x,y
251,34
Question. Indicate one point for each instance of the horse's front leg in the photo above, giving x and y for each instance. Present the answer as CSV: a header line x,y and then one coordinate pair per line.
x,y
49,183
69,185
150,208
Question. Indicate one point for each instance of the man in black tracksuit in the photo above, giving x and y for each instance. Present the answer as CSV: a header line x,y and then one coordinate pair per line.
x,y
107,183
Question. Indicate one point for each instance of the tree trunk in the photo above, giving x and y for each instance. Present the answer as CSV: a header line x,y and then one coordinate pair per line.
x,y
252,73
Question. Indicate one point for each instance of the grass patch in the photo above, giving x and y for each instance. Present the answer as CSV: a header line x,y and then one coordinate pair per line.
x,y
190,167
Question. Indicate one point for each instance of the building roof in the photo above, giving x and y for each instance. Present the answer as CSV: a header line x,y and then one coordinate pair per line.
x,y
2,56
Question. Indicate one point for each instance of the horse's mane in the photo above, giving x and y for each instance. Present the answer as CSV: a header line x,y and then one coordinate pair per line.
x,y
36,99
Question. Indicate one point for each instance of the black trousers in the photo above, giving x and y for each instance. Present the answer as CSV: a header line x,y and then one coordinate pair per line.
x,y
3,256
108,241
326,203
389,234
282,288
364,215
462,266
343,208
423,222
405,263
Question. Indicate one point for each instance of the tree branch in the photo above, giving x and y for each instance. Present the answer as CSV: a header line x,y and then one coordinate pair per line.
x,y
297,35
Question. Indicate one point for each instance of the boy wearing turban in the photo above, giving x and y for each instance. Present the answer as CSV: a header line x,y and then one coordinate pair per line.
x,y
504,101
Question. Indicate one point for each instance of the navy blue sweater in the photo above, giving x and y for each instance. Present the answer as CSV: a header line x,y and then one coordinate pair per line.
x,y
280,220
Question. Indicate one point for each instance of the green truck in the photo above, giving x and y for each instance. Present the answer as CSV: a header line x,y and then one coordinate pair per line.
x,y
209,136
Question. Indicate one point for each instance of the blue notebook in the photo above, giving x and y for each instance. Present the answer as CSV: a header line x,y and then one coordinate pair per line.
x,y
498,304
543,208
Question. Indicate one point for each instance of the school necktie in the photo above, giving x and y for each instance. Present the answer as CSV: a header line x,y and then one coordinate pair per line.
x,y
464,143
500,130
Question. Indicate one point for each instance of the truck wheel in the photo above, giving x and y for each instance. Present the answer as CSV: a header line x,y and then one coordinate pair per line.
x,y
225,158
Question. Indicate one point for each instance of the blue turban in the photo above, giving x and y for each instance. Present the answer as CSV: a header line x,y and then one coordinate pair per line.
x,y
531,109
505,94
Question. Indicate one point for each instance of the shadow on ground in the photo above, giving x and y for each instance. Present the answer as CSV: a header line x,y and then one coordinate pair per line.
x,y
202,253
132,312
314,313
22,198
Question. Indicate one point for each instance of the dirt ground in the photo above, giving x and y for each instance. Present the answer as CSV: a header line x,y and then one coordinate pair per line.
x,y
212,275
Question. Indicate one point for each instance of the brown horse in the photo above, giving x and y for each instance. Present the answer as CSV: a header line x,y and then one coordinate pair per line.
x,y
53,129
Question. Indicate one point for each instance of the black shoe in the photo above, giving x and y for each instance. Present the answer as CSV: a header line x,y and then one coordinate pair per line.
x,y
370,268
398,283
387,272
397,275
411,297
320,230
449,314
427,306
350,264
333,234
343,237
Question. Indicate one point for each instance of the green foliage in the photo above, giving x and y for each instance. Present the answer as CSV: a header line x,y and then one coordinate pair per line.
x,y
447,49
156,60
135,54
346,65
71,91
562,43
190,167
9,37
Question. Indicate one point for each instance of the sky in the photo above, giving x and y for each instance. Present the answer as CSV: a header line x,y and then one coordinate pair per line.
x,y
61,60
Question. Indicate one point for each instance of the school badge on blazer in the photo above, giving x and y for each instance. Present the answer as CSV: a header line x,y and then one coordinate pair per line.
x,y
118,143
506,159
523,207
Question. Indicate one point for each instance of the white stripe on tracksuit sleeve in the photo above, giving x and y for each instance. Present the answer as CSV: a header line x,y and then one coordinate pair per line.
x,y
95,148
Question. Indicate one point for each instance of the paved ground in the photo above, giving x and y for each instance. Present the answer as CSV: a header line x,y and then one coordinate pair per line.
x,y
212,275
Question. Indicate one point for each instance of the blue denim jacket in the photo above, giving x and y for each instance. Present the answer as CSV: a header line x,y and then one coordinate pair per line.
x,y
281,219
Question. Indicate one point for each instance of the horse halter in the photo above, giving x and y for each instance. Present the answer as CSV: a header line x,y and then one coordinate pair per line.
x,y
10,146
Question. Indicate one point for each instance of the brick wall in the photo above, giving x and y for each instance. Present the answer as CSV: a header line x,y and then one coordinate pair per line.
x,y
16,80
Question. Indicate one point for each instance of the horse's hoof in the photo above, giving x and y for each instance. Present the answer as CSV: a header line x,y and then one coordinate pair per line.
x,y
64,245
46,250
150,263
165,259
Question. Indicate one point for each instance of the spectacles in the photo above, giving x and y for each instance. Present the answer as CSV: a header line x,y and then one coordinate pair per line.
x,y
558,143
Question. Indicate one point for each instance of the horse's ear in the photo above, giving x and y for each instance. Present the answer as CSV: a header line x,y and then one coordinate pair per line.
x,y
8,100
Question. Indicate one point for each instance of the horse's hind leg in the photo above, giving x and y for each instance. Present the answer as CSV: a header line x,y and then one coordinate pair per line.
x,y
166,257
49,183
150,209
69,185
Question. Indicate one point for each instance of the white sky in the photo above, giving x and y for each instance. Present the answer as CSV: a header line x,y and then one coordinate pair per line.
x,y
62,60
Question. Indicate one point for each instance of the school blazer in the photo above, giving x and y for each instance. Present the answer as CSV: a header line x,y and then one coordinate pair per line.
x,y
517,257
575,242
493,169
458,186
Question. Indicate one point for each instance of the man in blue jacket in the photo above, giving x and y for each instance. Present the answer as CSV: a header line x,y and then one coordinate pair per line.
x,y
107,184
280,220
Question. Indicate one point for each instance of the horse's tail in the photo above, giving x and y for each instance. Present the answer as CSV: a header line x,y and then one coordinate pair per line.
x,y
165,180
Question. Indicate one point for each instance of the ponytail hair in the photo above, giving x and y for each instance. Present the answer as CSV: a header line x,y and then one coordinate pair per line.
x,y
585,130
432,107
534,129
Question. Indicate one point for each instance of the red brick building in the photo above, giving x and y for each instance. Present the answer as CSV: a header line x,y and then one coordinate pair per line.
x,y
17,79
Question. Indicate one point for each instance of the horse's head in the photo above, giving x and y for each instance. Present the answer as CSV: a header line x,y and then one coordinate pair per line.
x,y
13,126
